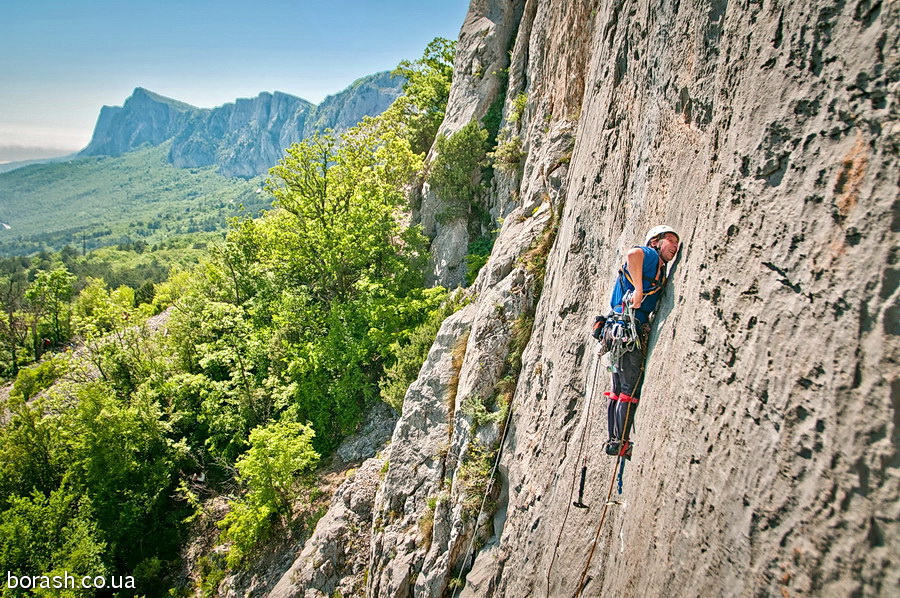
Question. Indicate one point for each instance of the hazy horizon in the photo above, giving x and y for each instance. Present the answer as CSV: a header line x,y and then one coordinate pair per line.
x,y
202,53
21,153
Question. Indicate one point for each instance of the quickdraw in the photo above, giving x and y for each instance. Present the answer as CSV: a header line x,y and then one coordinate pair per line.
x,y
620,333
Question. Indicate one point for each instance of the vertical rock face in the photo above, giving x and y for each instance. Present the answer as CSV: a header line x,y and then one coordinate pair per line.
x,y
368,96
333,560
482,54
248,137
482,58
244,138
145,119
766,459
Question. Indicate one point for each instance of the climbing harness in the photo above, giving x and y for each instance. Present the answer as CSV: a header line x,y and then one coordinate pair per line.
x,y
619,334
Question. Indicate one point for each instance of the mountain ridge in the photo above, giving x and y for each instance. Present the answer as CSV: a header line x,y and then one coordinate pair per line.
x,y
243,138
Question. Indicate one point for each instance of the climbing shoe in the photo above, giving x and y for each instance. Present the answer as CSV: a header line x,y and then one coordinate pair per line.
x,y
612,448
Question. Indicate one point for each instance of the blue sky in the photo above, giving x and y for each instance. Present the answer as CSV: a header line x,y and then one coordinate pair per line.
x,y
61,60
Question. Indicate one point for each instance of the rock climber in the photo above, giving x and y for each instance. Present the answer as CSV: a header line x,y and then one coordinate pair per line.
x,y
642,293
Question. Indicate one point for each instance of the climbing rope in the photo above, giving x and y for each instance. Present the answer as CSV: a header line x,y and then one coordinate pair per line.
x,y
625,334
620,335
487,491
581,581
589,391
620,466
626,321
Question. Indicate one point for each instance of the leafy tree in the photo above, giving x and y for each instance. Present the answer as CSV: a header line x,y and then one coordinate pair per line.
x,y
124,458
49,296
278,453
13,325
297,312
345,200
118,343
31,380
456,175
294,318
33,455
98,310
410,353
233,357
425,92
51,535
166,292
181,398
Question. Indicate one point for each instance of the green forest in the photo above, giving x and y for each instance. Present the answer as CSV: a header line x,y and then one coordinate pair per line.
x,y
137,369
100,201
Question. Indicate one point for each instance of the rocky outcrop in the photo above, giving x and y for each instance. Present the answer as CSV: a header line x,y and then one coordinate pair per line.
x,y
334,559
244,138
145,118
368,96
248,137
479,82
767,437
421,443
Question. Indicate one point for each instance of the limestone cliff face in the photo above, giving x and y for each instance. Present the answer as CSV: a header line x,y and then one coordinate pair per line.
x,y
368,96
482,57
766,458
244,138
249,136
767,437
145,118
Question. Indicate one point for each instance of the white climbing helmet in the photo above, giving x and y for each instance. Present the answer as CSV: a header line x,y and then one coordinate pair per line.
x,y
658,231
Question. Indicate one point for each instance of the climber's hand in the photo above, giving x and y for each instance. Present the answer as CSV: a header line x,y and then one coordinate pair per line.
x,y
637,297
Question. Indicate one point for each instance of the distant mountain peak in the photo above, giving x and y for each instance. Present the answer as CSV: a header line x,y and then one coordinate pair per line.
x,y
143,94
243,138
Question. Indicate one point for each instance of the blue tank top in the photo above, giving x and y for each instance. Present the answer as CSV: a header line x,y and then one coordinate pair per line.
x,y
652,286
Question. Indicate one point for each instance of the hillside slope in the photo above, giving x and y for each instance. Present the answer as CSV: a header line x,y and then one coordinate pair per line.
x,y
100,201
767,437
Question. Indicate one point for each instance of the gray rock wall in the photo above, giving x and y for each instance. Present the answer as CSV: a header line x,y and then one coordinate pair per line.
x,y
766,455
244,138
334,559
369,96
144,119
482,58
248,137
